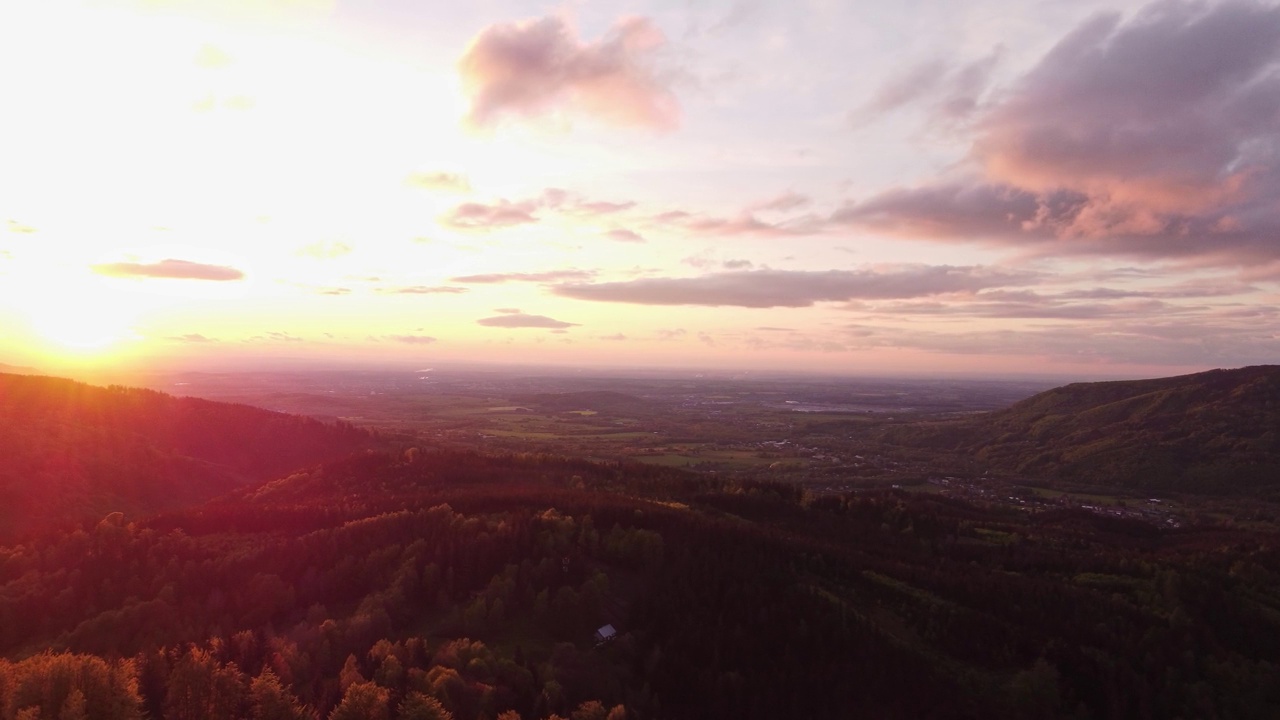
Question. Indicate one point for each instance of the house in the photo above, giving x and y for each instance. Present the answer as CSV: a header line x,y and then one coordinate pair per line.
x,y
605,634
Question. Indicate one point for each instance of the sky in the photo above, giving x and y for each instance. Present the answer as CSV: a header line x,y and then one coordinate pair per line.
x,y
1064,187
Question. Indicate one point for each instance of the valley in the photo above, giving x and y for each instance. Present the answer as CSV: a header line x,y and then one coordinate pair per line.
x,y
455,550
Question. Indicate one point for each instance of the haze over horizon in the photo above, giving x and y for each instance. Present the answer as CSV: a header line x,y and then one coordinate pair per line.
x,y
1082,189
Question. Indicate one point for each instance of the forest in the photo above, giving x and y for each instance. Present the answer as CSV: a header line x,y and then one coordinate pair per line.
x,y
407,580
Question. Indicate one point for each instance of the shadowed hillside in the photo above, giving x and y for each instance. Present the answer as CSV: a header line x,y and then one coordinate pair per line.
x,y
72,450
474,584
1209,432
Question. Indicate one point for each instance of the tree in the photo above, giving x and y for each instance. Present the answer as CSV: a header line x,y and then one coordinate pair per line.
x,y
350,674
270,700
200,689
363,701
73,708
420,706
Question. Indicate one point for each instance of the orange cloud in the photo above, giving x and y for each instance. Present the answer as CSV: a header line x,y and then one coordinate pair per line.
x,y
539,67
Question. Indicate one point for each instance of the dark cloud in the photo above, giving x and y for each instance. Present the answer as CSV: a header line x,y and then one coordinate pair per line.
x,y
1152,138
794,288
479,216
522,320
413,339
548,276
539,67
738,264
449,182
173,269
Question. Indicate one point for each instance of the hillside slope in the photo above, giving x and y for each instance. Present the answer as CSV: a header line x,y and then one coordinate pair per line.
x,y
385,580
1215,431
72,450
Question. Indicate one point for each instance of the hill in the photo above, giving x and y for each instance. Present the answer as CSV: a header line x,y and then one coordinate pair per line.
x,y
71,450
1216,431
472,585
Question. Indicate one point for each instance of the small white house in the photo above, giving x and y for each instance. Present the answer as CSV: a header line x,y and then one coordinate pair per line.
x,y
605,634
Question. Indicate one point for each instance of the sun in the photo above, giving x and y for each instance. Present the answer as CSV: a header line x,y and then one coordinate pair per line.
x,y
82,328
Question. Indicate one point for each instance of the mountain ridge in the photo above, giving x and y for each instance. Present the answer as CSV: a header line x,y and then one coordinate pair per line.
x,y
73,450
1214,431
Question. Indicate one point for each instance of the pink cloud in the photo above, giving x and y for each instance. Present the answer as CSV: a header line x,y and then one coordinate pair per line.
x,y
172,269
479,216
625,235
1152,137
523,320
540,67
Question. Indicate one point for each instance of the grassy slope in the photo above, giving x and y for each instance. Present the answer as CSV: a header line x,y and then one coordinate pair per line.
x,y
1212,431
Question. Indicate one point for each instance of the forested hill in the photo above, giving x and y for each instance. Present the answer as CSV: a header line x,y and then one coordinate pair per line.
x,y
456,586
70,450
1216,431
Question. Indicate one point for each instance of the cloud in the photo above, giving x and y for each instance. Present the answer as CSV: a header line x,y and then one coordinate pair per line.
x,y
1149,138
571,202
412,339
522,320
601,207
738,264
782,203
425,290
479,216
209,56
336,291
191,338
617,337
547,276
173,269
797,288
744,224
1211,340
20,229
625,235
951,94
274,337
446,181
539,67
325,250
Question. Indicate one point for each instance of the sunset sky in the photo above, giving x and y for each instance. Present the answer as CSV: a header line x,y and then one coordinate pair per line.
x,y
991,186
